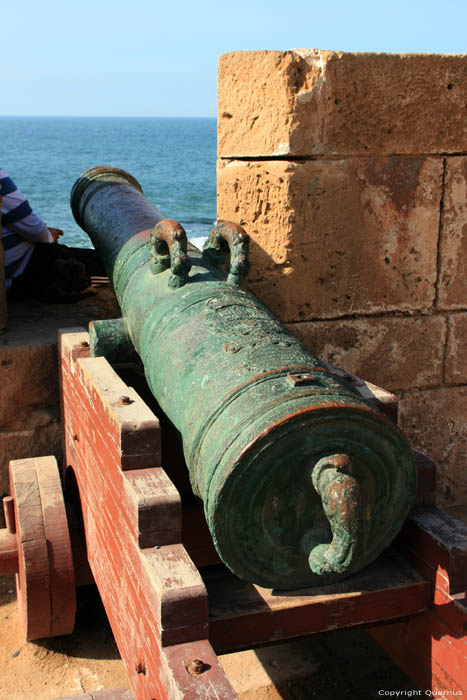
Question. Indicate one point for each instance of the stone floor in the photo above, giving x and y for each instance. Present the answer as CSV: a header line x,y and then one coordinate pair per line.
x,y
345,664
37,322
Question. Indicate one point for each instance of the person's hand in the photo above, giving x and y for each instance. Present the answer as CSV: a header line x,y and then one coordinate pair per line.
x,y
55,233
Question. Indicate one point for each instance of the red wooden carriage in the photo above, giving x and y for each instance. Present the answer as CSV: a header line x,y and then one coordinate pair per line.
x,y
171,605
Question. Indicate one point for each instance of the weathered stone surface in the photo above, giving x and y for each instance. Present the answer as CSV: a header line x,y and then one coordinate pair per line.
x,y
29,405
456,357
434,421
37,319
43,440
309,102
356,208
28,355
29,380
3,307
453,243
331,238
394,353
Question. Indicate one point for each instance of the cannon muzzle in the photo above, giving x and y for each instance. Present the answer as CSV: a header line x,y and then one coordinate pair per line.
x,y
302,482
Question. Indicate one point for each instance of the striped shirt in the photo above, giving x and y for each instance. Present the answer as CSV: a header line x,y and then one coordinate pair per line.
x,y
21,229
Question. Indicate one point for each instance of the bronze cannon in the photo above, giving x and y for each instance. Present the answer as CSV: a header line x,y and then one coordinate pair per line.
x,y
303,483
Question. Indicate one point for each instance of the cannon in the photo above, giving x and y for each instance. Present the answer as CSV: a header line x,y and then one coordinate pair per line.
x,y
303,483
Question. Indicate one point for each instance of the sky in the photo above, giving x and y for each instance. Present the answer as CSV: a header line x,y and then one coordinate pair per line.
x,y
153,58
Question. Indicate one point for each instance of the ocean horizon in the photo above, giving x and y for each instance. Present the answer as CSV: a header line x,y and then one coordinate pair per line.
x,y
173,159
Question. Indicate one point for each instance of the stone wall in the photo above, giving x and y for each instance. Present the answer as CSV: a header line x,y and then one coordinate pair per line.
x,y
349,172
30,404
3,307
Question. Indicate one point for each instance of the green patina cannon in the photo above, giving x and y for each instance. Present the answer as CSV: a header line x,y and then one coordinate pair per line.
x,y
302,482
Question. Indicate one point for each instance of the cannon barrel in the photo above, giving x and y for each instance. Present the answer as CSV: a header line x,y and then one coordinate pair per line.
x,y
302,482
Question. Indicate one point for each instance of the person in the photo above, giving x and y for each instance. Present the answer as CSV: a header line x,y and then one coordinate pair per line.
x,y
36,265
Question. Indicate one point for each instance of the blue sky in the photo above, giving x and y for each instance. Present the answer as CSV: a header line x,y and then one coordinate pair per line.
x,y
152,58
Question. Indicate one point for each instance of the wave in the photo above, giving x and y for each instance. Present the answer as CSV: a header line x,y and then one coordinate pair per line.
x,y
198,221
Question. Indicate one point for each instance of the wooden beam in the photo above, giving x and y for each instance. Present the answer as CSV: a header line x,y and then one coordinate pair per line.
x,y
243,615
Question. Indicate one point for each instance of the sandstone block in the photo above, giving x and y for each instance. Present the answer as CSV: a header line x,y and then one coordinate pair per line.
x,y
453,243
434,421
29,381
28,355
29,408
18,444
3,306
393,353
331,238
456,358
309,102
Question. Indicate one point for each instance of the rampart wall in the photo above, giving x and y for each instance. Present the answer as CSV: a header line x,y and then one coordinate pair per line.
x,y
349,172
30,423
3,307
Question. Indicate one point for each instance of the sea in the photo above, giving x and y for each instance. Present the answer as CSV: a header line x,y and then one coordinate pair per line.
x,y
173,159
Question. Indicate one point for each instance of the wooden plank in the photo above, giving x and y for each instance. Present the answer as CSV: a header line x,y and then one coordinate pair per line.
x,y
382,399
45,582
432,654
134,425
179,587
129,493
130,603
61,570
135,611
431,647
452,611
138,497
157,506
110,431
426,477
33,580
436,543
242,615
107,512
430,633
213,681
74,343
153,597
33,589
23,481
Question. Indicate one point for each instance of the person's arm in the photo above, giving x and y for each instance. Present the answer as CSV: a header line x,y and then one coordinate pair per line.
x,y
18,216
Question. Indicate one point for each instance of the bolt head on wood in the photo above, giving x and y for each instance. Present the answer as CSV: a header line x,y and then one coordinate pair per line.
x,y
125,401
140,668
195,667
